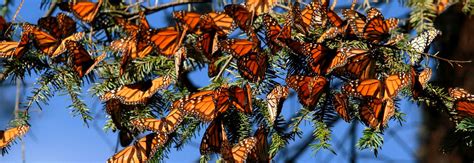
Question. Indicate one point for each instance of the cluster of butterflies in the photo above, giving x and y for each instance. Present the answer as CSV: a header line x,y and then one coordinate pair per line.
x,y
364,83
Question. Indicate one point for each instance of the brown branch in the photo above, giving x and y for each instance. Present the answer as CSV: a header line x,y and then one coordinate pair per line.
x,y
223,68
18,10
333,6
450,61
51,9
283,6
157,8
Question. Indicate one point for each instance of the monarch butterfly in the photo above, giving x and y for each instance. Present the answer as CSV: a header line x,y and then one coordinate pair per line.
x,y
219,22
22,46
213,67
261,152
208,44
215,141
179,58
275,100
260,6
324,60
7,48
419,81
116,111
275,34
242,17
367,116
377,89
61,48
137,93
59,27
6,137
141,150
376,112
295,18
240,151
356,20
81,59
131,48
251,64
208,104
5,32
189,19
164,125
47,43
132,28
242,98
359,66
126,137
420,43
237,47
310,15
463,101
214,138
205,105
85,11
377,29
309,88
166,40
441,6
340,105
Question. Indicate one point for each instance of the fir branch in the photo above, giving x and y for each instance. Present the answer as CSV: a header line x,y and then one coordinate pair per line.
x,y
322,134
370,139
48,83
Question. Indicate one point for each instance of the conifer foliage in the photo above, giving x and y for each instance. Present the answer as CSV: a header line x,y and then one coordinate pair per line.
x,y
351,64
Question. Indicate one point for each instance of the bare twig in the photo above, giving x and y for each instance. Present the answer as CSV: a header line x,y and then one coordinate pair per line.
x,y
450,61
283,7
333,4
51,9
354,2
223,68
18,10
157,8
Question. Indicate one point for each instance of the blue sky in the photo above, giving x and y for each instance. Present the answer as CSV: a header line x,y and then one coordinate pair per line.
x,y
57,136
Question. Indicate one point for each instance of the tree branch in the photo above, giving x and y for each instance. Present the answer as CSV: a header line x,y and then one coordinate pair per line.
x,y
51,9
158,8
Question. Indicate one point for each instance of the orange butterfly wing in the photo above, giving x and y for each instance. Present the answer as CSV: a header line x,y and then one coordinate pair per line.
x,y
340,105
242,98
140,151
261,152
208,44
138,93
189,19
205,105
7,48
214,138
6,137
219,22
242,17
237,47
242,149
463,101
86,11
309,88
260,6
66,24
253,66
165,125
166,40
275,101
